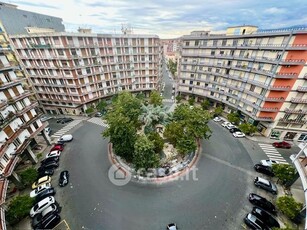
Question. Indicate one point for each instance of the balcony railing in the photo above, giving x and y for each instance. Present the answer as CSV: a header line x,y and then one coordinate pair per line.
x,y
298,100
27,108
10,65
302,89
269,109
292,62
5,85
280,88
292,121
274,99
19,97
296,111
286,75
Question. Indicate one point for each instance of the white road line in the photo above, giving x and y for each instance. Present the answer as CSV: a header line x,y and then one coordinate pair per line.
x,y
277,157
274,154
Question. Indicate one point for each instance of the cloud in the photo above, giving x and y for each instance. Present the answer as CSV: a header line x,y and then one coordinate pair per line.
x,y
168,18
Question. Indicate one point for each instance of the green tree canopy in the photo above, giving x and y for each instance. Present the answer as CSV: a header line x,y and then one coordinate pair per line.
x,y
101,106
19,208
28,176
205,104
218,111
155,99
191,100
234,118
179,98
284,172
248,128
172,66
288,206
157,140
151,116
144,156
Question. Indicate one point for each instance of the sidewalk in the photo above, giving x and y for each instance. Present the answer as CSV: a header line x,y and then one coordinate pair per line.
x,y
259,138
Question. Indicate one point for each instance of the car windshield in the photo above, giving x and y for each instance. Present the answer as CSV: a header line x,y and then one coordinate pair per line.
x,y
35,207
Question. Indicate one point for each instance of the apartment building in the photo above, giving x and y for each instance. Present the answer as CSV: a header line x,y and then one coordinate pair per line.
x,y
71,71
16,21
19,120
262,74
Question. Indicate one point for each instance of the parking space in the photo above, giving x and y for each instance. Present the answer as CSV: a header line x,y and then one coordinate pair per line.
x,y
63,225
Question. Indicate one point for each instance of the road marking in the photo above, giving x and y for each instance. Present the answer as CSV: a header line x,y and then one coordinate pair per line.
x,y
272,153
63,225
98,121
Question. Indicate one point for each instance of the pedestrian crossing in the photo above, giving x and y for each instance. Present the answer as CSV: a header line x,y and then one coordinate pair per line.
x,y
65,129
167,100
98,121
272,153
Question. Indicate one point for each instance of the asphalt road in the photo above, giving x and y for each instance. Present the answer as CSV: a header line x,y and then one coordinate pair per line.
x,y
217,200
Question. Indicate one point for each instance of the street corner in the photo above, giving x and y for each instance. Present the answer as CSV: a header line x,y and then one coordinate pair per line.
x,y
118,176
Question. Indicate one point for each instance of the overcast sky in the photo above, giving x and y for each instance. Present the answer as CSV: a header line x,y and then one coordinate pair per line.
x,y
169,18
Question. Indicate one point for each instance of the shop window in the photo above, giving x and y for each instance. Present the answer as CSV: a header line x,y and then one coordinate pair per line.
x,y
290,135
275,134
303,137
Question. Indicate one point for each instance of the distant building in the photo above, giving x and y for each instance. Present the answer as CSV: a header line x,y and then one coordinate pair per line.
x,y
171,48
17,21
262,74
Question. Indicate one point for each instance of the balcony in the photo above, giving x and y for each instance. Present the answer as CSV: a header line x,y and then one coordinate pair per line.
x,y
7,120
27,108
10,166
19,97
264,118
305,76
292,62
274,99
280,88
258,83
3,103
292,121
269,109
295,111
5,85
302,89
9,66
298,100
5,49
286,75
297,47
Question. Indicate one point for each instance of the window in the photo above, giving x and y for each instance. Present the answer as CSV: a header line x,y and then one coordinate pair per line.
x,y
196,43
61,52
252,88
209,69
215,42
224,43
187,43
212,52
198,83
192,74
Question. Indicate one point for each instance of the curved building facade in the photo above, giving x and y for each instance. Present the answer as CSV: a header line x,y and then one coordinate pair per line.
x,y
262,74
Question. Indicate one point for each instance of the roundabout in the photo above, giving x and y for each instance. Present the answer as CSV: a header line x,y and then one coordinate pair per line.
x,y
216,198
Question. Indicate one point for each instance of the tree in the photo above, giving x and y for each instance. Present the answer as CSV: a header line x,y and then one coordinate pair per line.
x,y
283,172
191,100
155,99
157,140
218,111
288,206
179,98
186,144
89,110
248,128
28,176
205,104
122,133
172,66
234,118
101,106
19,208
144,156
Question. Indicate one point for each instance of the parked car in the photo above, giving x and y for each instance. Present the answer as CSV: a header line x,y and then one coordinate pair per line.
x,y
268,162
48,166
224,124
48,131
238,134
66,120
230,126
264,169
55,153
50,221
261,202
45,172
217,119
39,189
282,144
57,147
265,217
254,223
53,208
40,181
45,118
40,206
266,185
59,120
49,159
66,138
235,129
98,114
171,226
47,192
64,178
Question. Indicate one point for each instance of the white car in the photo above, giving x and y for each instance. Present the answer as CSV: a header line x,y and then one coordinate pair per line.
x,y
40,189
224,124
268,163
171,226
238,134
48,131
230,126
42,205
65,138
217,119
45,118
55,153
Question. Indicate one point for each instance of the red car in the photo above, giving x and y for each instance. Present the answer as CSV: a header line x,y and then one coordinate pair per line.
x,y
57,147
282,144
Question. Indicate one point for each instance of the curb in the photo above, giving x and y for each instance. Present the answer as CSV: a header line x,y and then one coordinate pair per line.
x,y
157,180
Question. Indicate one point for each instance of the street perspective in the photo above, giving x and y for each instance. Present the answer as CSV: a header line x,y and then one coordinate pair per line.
x,y
156,115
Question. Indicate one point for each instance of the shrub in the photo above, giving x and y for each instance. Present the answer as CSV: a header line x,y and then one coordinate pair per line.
x,y
248,128
234,118
19,208
288,206
39,155
218,111
89,110
157,140
28,176
283,172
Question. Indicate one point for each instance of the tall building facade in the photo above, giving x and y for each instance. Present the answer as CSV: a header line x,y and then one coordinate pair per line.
x,y
18,21
19,119
262,74
71,71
